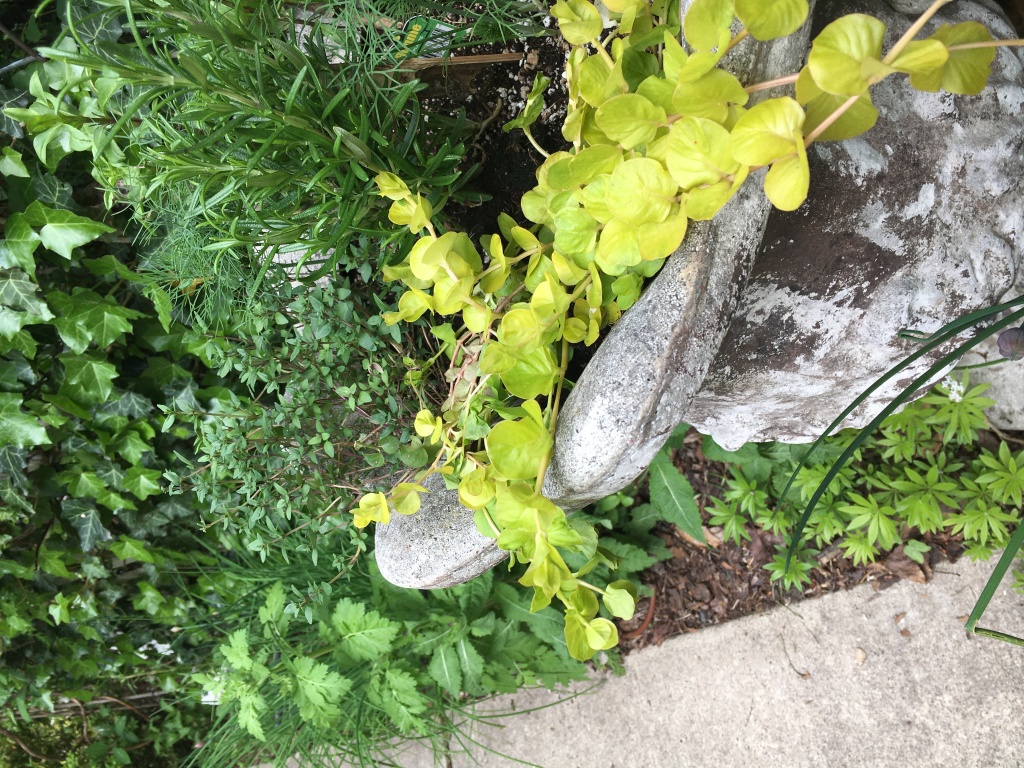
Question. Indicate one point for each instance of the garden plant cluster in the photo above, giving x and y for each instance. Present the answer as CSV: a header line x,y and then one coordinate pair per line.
x,y
237,325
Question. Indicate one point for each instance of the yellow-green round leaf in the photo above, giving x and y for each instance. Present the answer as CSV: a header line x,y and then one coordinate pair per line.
x,y
618,248
921,57
620,599
593,162
516,448
533,375
965,71
840,52
710,96
706,25
630,120
602,634
575,232
578,20
660,239
391,186
640,191
856,120
476,489
787,180
765,132
769,19
699,152
520,330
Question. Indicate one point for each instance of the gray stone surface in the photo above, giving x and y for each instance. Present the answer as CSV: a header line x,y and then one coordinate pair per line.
x,y
908,226
1006,380
439,546
858,679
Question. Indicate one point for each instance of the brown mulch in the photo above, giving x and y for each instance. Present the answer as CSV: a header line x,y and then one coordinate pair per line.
x,y
707,584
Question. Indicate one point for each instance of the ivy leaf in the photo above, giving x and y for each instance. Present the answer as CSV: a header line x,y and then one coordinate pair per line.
x,y
673,497
965,71
88,379
19,428
142,482
20,304
11,163
846,54
365,635
85,317
20,243
127,548
85,518
445,670
63,231
769,19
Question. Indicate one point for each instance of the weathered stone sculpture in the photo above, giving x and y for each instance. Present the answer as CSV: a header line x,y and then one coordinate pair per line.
x,y
907,227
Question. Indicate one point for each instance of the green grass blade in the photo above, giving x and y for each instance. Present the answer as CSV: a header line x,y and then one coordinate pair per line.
x,y
1012,548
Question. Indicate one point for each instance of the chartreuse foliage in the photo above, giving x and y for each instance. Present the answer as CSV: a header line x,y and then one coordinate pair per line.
x,y
922,473
660,134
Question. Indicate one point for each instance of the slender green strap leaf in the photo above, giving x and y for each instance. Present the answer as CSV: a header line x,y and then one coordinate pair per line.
x,y
1012,548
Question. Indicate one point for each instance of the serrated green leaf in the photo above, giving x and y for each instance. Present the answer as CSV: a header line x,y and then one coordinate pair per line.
x,y
673,497
365,635
445,670
395,691
318,690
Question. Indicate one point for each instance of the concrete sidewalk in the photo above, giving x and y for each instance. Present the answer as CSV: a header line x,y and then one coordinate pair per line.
x,y
859,678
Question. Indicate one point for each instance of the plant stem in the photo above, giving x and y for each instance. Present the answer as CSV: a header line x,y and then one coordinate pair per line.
x,y
17,41
787,80
829,120
555,403
533,141
909,35
988,44
735,41
603,51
